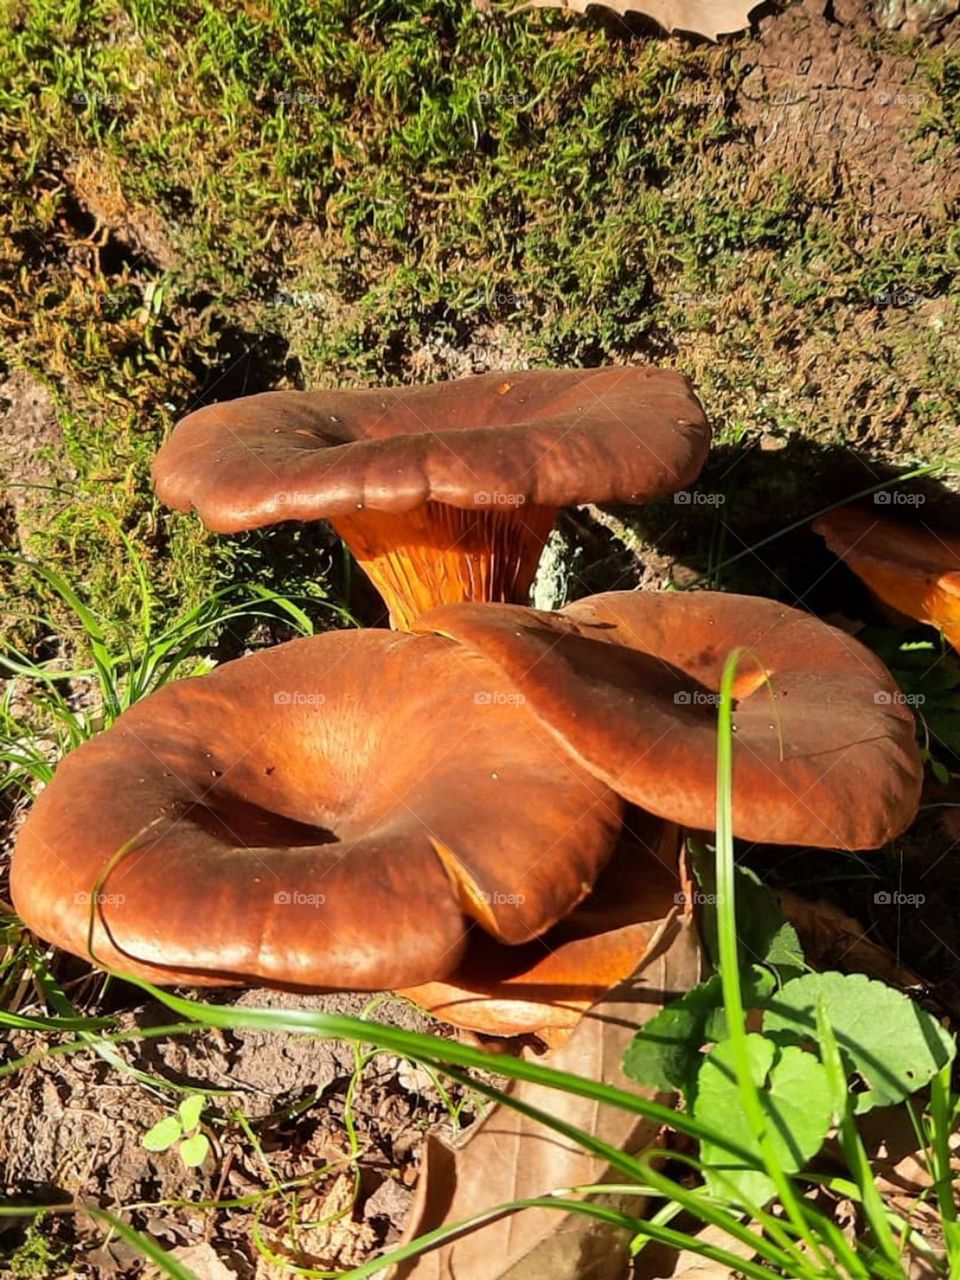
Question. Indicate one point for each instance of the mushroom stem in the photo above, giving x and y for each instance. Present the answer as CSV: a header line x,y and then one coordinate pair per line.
x,y
440,554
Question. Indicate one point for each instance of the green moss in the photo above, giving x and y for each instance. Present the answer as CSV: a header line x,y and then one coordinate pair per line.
x,y
330,188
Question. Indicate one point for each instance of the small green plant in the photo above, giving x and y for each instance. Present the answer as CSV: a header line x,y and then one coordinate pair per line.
x,y
182,1130
36,1257
41,718
929,675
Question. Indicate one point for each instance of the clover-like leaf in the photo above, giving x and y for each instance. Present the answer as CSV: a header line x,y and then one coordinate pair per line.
x,y
163,1134
766,936
668,1051
193,1150
893,1045
795,1096
190,1109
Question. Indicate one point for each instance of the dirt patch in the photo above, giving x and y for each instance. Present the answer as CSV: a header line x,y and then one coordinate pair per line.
x,y
31,452
74,1126
97,188
822,96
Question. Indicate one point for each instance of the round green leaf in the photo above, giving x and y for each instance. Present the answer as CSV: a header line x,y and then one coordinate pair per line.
x,y
190,1109
193,1151
795,1096
883,1036
163,1134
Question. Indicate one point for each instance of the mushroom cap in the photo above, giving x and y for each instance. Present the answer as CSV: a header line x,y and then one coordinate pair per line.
x,y
338,811
541,437
913,570
825,751
544,987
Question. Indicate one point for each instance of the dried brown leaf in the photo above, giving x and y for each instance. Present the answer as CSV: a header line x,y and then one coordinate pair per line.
x,y
833,940
710,18
508,1157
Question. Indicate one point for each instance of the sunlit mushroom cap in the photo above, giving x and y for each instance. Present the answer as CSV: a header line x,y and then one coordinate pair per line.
x,y
544,987
825,751
543,438
913,570
338,811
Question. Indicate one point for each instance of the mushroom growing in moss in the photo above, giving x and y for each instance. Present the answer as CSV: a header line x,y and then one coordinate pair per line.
x,y
544,987
913,570
444,493
627,682
337,812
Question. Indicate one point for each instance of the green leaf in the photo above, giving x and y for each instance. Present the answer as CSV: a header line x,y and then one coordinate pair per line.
x,y
795,1096
193,1151
667,1052
765,934
891,1043
163,1134
190,1109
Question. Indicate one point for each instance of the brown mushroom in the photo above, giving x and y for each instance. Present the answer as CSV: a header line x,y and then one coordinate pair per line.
x,y
825,751
444,493
339,811
545,987
915,571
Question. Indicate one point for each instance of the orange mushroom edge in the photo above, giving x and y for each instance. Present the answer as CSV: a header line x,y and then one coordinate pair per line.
x,y
913,570
826,752
544,987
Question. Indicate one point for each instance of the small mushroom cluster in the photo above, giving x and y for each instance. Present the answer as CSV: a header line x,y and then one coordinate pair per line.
x,y
483,807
